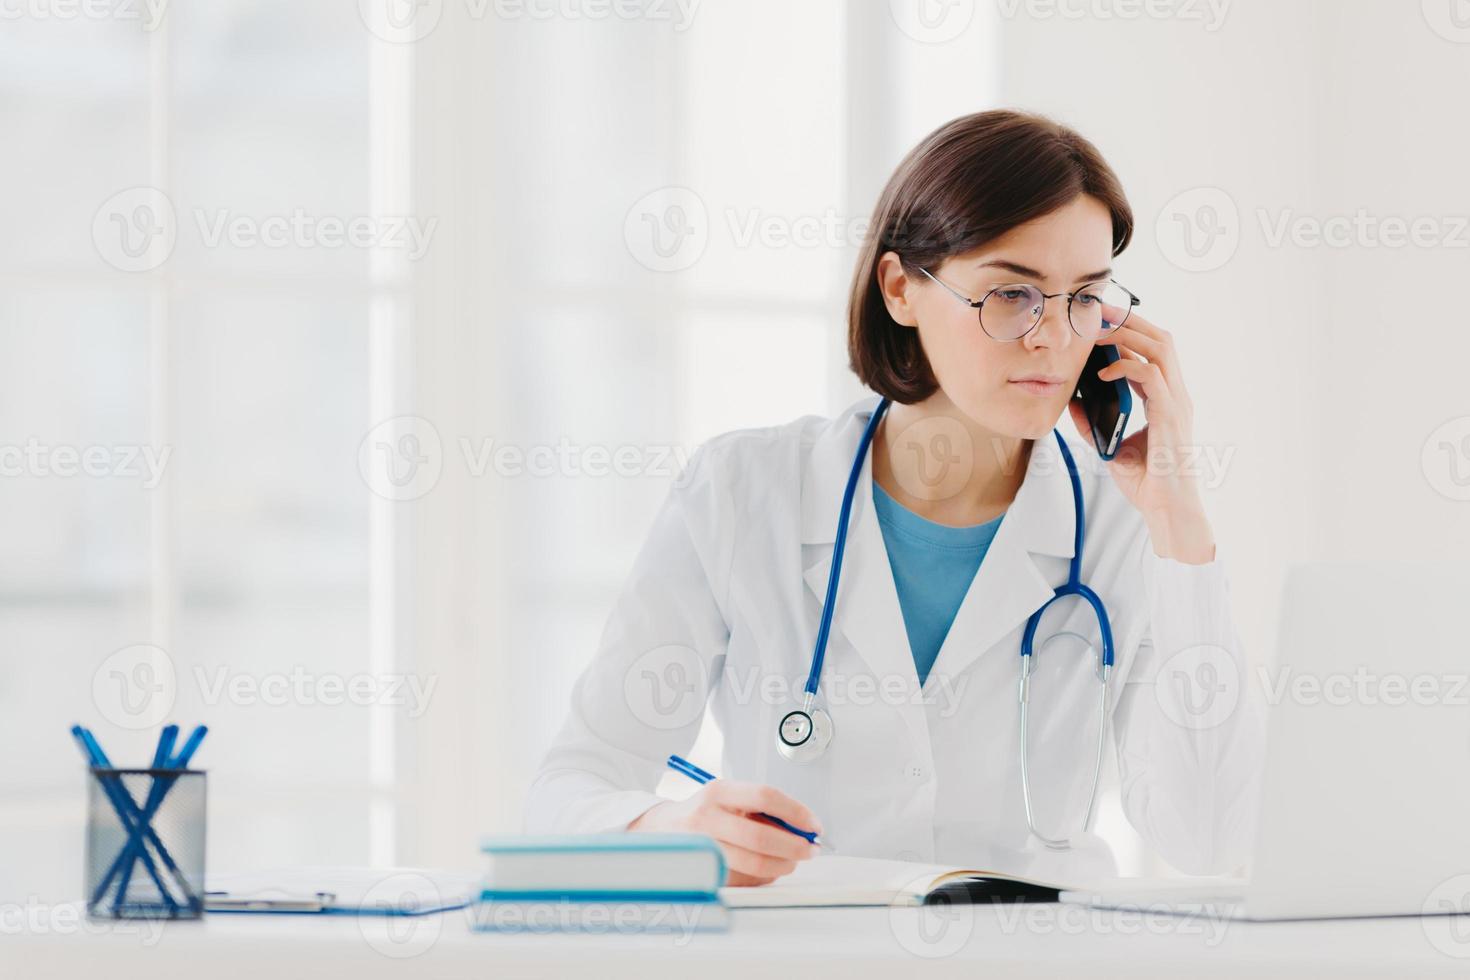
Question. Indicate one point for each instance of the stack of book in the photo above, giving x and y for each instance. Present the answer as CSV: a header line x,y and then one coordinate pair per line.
x,y
609,883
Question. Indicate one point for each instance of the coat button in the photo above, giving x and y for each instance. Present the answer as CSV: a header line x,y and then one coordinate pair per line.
x,y
915,771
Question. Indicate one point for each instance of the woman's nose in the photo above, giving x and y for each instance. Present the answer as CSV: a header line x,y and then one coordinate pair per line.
x,y
1054,331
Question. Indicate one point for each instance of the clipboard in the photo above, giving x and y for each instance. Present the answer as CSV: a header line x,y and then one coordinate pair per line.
x,y
354,891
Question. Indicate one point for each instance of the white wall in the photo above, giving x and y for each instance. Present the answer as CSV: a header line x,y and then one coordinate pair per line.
x,y
550,321
1322,369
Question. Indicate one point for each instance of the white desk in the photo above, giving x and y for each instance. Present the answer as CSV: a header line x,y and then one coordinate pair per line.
x,y
1032,940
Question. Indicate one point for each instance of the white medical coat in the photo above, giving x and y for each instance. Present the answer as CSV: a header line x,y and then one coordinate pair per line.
x,y
721,610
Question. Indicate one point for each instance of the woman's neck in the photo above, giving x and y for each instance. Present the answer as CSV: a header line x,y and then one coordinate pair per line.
x,y
938,463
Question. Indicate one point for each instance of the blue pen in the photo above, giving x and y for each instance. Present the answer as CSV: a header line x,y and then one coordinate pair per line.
x,y
127,856
123,804
181,761
161,785
686,768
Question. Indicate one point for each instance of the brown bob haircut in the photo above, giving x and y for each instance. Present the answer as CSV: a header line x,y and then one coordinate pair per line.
x,y
967,183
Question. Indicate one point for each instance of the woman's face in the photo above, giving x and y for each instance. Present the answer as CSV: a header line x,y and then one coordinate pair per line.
x,y
981,376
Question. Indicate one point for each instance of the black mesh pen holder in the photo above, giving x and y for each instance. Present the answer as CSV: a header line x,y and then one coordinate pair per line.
x,y
145,843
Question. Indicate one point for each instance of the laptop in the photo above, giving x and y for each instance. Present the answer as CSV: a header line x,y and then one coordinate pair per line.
x,y
1365,799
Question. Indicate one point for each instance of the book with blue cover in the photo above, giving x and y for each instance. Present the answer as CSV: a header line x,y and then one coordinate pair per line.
x,y
611,882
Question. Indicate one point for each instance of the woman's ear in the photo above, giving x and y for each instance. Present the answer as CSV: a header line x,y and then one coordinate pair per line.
x,y
897,289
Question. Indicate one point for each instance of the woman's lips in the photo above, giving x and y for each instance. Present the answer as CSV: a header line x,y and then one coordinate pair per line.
x,y
1038,387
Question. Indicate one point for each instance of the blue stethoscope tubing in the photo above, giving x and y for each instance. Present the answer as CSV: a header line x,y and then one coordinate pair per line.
x,y
805,732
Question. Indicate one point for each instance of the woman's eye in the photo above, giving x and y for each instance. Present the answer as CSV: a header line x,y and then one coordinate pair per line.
x,y
1012,295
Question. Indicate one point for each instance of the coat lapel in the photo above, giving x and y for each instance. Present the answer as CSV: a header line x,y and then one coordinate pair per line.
x,y
867,609
1009,585
1006,590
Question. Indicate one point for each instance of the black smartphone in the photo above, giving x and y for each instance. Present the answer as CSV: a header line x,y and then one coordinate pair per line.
x,y
1107,403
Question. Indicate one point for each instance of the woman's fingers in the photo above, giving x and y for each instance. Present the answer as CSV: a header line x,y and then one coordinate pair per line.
x,y
759,798
759,836
756,851
1153,343
755,865
1136,322
1147,374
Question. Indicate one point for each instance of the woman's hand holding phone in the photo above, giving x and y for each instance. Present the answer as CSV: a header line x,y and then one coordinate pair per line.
x,y
1150,465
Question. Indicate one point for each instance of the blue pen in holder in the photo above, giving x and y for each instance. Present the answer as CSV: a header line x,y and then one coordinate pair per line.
x,y
145,843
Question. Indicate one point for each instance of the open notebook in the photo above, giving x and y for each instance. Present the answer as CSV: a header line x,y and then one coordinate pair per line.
x,y
835,880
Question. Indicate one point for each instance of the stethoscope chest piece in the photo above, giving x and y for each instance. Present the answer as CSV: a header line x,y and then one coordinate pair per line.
x,y
804,734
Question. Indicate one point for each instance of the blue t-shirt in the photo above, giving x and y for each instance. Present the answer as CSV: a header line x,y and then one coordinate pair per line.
x,y
933,565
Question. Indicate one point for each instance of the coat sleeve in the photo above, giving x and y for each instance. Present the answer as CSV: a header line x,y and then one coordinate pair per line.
x,y
643,696
1190,734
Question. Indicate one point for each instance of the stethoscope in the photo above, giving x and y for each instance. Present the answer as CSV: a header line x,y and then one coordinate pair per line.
x,y
805,732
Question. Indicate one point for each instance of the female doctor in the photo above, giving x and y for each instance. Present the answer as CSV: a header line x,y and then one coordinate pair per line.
x,y
952,520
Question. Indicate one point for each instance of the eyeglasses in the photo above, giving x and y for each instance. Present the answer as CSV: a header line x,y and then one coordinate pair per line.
x,y
1011,312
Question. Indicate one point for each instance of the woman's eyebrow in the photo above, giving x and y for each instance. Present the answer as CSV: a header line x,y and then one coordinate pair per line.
x,y
1027,271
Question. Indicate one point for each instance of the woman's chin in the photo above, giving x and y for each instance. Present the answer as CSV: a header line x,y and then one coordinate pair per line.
x,y
1033,419
1034,424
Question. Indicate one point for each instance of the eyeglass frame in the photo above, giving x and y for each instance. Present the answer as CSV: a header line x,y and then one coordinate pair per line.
x,y
976,305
